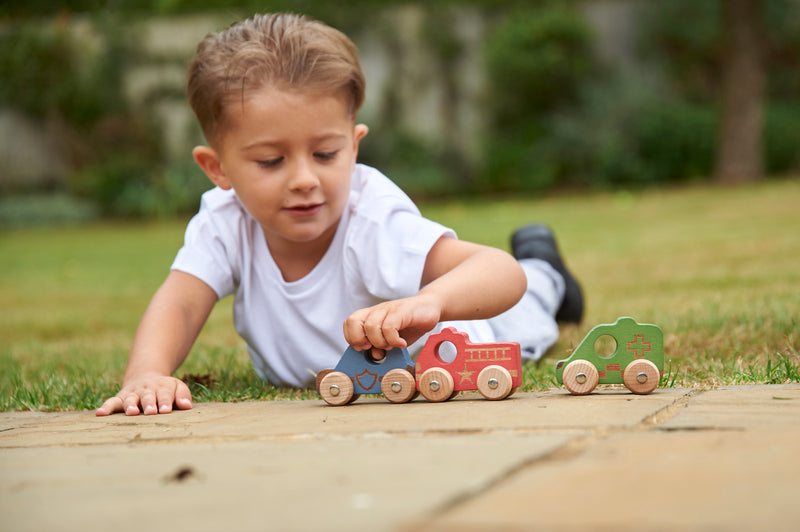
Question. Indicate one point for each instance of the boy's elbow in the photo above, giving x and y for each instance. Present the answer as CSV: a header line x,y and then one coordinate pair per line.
x,y
513,279
518,279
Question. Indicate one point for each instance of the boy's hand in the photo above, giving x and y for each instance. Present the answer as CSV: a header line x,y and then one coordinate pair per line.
x,y
392,324
156,394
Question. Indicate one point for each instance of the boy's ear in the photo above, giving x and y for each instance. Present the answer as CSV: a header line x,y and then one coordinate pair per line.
x,y
360,132
208,159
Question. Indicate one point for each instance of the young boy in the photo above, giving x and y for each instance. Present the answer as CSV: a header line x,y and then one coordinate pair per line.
x,y
319,251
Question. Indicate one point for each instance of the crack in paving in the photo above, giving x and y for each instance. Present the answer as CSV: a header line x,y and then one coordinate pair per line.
x,y
566,452
671,410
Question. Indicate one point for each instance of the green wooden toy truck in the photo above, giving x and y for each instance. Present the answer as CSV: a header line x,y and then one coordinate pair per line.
x,y
630,353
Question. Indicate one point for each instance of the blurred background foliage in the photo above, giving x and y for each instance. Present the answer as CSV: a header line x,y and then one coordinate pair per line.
x,y
554,112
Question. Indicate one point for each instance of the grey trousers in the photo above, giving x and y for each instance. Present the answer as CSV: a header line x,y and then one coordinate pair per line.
x,y
531,322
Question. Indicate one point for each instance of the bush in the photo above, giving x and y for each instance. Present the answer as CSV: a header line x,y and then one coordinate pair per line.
x,y
104,183
621,135
627,133
782,137
537,58
418,167
174,190
131,187
676,141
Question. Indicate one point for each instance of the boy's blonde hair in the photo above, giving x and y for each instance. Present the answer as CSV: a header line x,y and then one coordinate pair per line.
x,y
284,51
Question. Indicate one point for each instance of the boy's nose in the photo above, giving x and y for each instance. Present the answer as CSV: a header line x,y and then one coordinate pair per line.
x,y
303,177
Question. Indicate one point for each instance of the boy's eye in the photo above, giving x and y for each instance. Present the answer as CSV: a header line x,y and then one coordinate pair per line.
x,y
326,156
269,163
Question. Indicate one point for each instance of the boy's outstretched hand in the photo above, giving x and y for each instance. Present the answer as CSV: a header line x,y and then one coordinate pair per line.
x,y
156,394
392,324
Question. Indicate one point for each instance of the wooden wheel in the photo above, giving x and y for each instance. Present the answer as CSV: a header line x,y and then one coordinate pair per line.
x,y
321,375
336,388
436,385
494,382
580,377
641,376
398,386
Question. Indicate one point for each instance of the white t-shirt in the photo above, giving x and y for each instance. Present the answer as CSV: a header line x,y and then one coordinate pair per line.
x,y
294,329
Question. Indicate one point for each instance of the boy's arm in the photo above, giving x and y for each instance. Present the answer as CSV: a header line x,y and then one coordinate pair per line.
x,y
165,335
461,281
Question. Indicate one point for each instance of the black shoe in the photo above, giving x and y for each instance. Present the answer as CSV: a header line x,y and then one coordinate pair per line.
x,y
536,241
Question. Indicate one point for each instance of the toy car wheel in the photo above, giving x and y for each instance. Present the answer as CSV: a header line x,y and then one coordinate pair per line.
x,y
321,375
436,385
494,382
641,376
580,377
398,386
336,388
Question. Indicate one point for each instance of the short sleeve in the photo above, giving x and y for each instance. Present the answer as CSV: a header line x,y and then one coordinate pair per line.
x,y
209,249
389,242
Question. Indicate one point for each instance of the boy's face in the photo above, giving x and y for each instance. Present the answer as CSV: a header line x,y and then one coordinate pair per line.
x,y
289,157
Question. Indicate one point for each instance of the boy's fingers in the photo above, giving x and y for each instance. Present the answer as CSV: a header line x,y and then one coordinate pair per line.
x,y
377,354
381,328
131,404
183,396
165,398
374,334
148,402
354,334
378,326
391,334
157,397
109,407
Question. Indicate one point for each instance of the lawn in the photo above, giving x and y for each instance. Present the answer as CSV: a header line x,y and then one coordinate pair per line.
x,y
715,268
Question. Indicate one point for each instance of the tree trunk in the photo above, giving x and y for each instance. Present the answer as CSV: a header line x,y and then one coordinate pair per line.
x,y
740,149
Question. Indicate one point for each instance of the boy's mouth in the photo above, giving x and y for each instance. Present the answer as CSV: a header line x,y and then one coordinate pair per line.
x,y
305,209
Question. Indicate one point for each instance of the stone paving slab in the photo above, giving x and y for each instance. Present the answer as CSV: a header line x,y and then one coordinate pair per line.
x,y
301,464
727,459
314,419
676,459
347,484
697,480
741,407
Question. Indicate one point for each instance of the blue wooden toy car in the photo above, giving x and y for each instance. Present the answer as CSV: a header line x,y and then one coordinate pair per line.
x,y
358,373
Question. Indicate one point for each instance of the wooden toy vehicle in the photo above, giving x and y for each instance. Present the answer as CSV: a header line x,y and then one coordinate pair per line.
x,y
358,373
495,369
636,358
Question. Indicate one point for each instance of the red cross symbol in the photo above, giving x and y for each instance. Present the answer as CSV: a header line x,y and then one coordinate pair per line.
x,y
638,346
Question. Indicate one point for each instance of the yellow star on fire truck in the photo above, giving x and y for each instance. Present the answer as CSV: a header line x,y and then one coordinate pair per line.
x,y
466,375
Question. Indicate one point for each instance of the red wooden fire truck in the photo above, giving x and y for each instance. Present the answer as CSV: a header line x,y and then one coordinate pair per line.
x,y
494,369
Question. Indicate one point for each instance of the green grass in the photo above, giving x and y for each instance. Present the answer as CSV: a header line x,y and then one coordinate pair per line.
x,y
716,268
